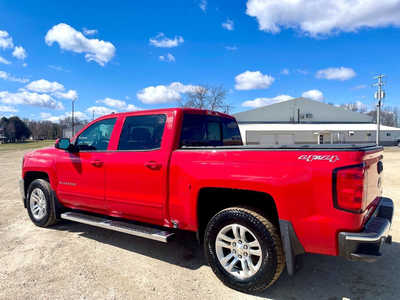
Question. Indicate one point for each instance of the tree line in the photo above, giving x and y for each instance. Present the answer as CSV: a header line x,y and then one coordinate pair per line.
x,y
14,129
390,116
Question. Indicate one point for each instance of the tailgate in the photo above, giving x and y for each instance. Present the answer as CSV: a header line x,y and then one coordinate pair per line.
x,y
373,166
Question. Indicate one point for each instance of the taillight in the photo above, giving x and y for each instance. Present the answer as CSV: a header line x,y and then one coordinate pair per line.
x,y
348,188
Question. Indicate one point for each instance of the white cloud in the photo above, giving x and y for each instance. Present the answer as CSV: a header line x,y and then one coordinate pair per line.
x,y
285,72
45,115
7,76
313,95
168,58
7,109
89,31
250,80
45,86
258,102
161,41
70,95
4,61
231,48
34,99
120,105
164,93
19,52
54,88
5,40
58,68
228,25
70,39
302,71
359,87
55,119
323,17
341,73
100,110
203,5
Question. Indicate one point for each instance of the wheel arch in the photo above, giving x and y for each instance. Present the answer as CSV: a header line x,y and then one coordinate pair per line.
x,y
212,200
30,176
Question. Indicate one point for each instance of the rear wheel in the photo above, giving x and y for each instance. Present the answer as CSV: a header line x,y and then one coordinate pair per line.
x,y
40,203
244,249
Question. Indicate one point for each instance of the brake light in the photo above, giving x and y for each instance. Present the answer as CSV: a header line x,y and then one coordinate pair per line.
x,y
348,188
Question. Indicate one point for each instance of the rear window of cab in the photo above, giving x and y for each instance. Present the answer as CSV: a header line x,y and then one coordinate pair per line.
x,y
205,130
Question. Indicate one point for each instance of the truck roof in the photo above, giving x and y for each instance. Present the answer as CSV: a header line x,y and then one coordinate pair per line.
x,y
164,110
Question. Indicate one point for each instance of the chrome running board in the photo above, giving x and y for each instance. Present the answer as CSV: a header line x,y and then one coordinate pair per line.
x,y
120,226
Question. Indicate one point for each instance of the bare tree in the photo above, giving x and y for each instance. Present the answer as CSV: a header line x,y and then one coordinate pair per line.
x,y
206,97
355,106
389,116
216,98
197,98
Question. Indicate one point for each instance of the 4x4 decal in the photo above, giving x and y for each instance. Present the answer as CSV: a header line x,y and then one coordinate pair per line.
x,y
312,157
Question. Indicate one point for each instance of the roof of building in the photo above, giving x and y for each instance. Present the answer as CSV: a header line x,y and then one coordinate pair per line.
x,y
317,127
301,109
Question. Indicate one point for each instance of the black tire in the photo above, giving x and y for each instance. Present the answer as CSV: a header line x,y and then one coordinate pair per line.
x,y
268,237
49,217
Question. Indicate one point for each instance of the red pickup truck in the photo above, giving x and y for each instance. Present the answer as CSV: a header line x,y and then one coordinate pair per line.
x,y
254,208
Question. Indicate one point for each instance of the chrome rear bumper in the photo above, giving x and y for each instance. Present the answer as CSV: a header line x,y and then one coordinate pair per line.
x,y
367,245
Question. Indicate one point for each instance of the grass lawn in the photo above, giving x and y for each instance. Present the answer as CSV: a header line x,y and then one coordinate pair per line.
x,y
26,145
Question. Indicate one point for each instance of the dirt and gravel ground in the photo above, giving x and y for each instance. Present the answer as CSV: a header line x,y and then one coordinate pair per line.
x,y
76,261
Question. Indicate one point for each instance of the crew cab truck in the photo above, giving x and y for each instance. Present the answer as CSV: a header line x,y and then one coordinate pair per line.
x,y
254,208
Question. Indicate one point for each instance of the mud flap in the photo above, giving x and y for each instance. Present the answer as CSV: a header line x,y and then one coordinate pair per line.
x,y
291,246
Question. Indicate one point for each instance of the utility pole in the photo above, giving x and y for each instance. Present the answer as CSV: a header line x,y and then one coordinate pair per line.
x,y
73,119
379,95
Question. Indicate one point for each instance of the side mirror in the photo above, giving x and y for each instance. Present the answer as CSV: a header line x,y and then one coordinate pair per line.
x,y
63,143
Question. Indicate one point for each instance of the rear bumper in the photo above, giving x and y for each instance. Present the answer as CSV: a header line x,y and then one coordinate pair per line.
x,y
367,245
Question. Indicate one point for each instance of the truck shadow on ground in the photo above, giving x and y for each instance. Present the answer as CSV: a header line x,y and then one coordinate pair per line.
x,y
182,250
322,277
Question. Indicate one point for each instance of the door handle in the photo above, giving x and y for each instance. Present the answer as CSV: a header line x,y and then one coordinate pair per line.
x,y
97,163
153,165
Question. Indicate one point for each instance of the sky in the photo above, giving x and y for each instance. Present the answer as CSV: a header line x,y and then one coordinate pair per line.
x,y
129,55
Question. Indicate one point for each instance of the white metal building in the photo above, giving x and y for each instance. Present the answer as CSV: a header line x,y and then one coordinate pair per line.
x,y
304,121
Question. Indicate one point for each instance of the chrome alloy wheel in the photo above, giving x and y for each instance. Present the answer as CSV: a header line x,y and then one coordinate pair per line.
x,y
238,251
38,204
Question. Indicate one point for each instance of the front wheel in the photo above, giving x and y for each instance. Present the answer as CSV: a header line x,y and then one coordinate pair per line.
x,y
244,249
40,203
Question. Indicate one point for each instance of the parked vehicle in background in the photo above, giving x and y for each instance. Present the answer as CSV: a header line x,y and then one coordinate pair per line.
x,y
255,209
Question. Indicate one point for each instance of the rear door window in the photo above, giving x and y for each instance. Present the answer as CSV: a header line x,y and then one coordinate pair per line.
x,y
142,132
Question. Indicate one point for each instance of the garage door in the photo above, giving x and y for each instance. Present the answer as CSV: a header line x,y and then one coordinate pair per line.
x,y
285,139
277,139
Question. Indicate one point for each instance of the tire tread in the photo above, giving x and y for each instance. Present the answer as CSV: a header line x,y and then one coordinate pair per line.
x,y
277,244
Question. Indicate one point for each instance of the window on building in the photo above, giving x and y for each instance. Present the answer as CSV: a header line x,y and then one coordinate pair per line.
x,y
309,116
369,134
388,134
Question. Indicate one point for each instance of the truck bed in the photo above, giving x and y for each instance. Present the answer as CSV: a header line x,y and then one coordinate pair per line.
x,y
322,147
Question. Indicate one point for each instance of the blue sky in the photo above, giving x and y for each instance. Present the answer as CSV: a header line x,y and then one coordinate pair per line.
x,y
146,54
